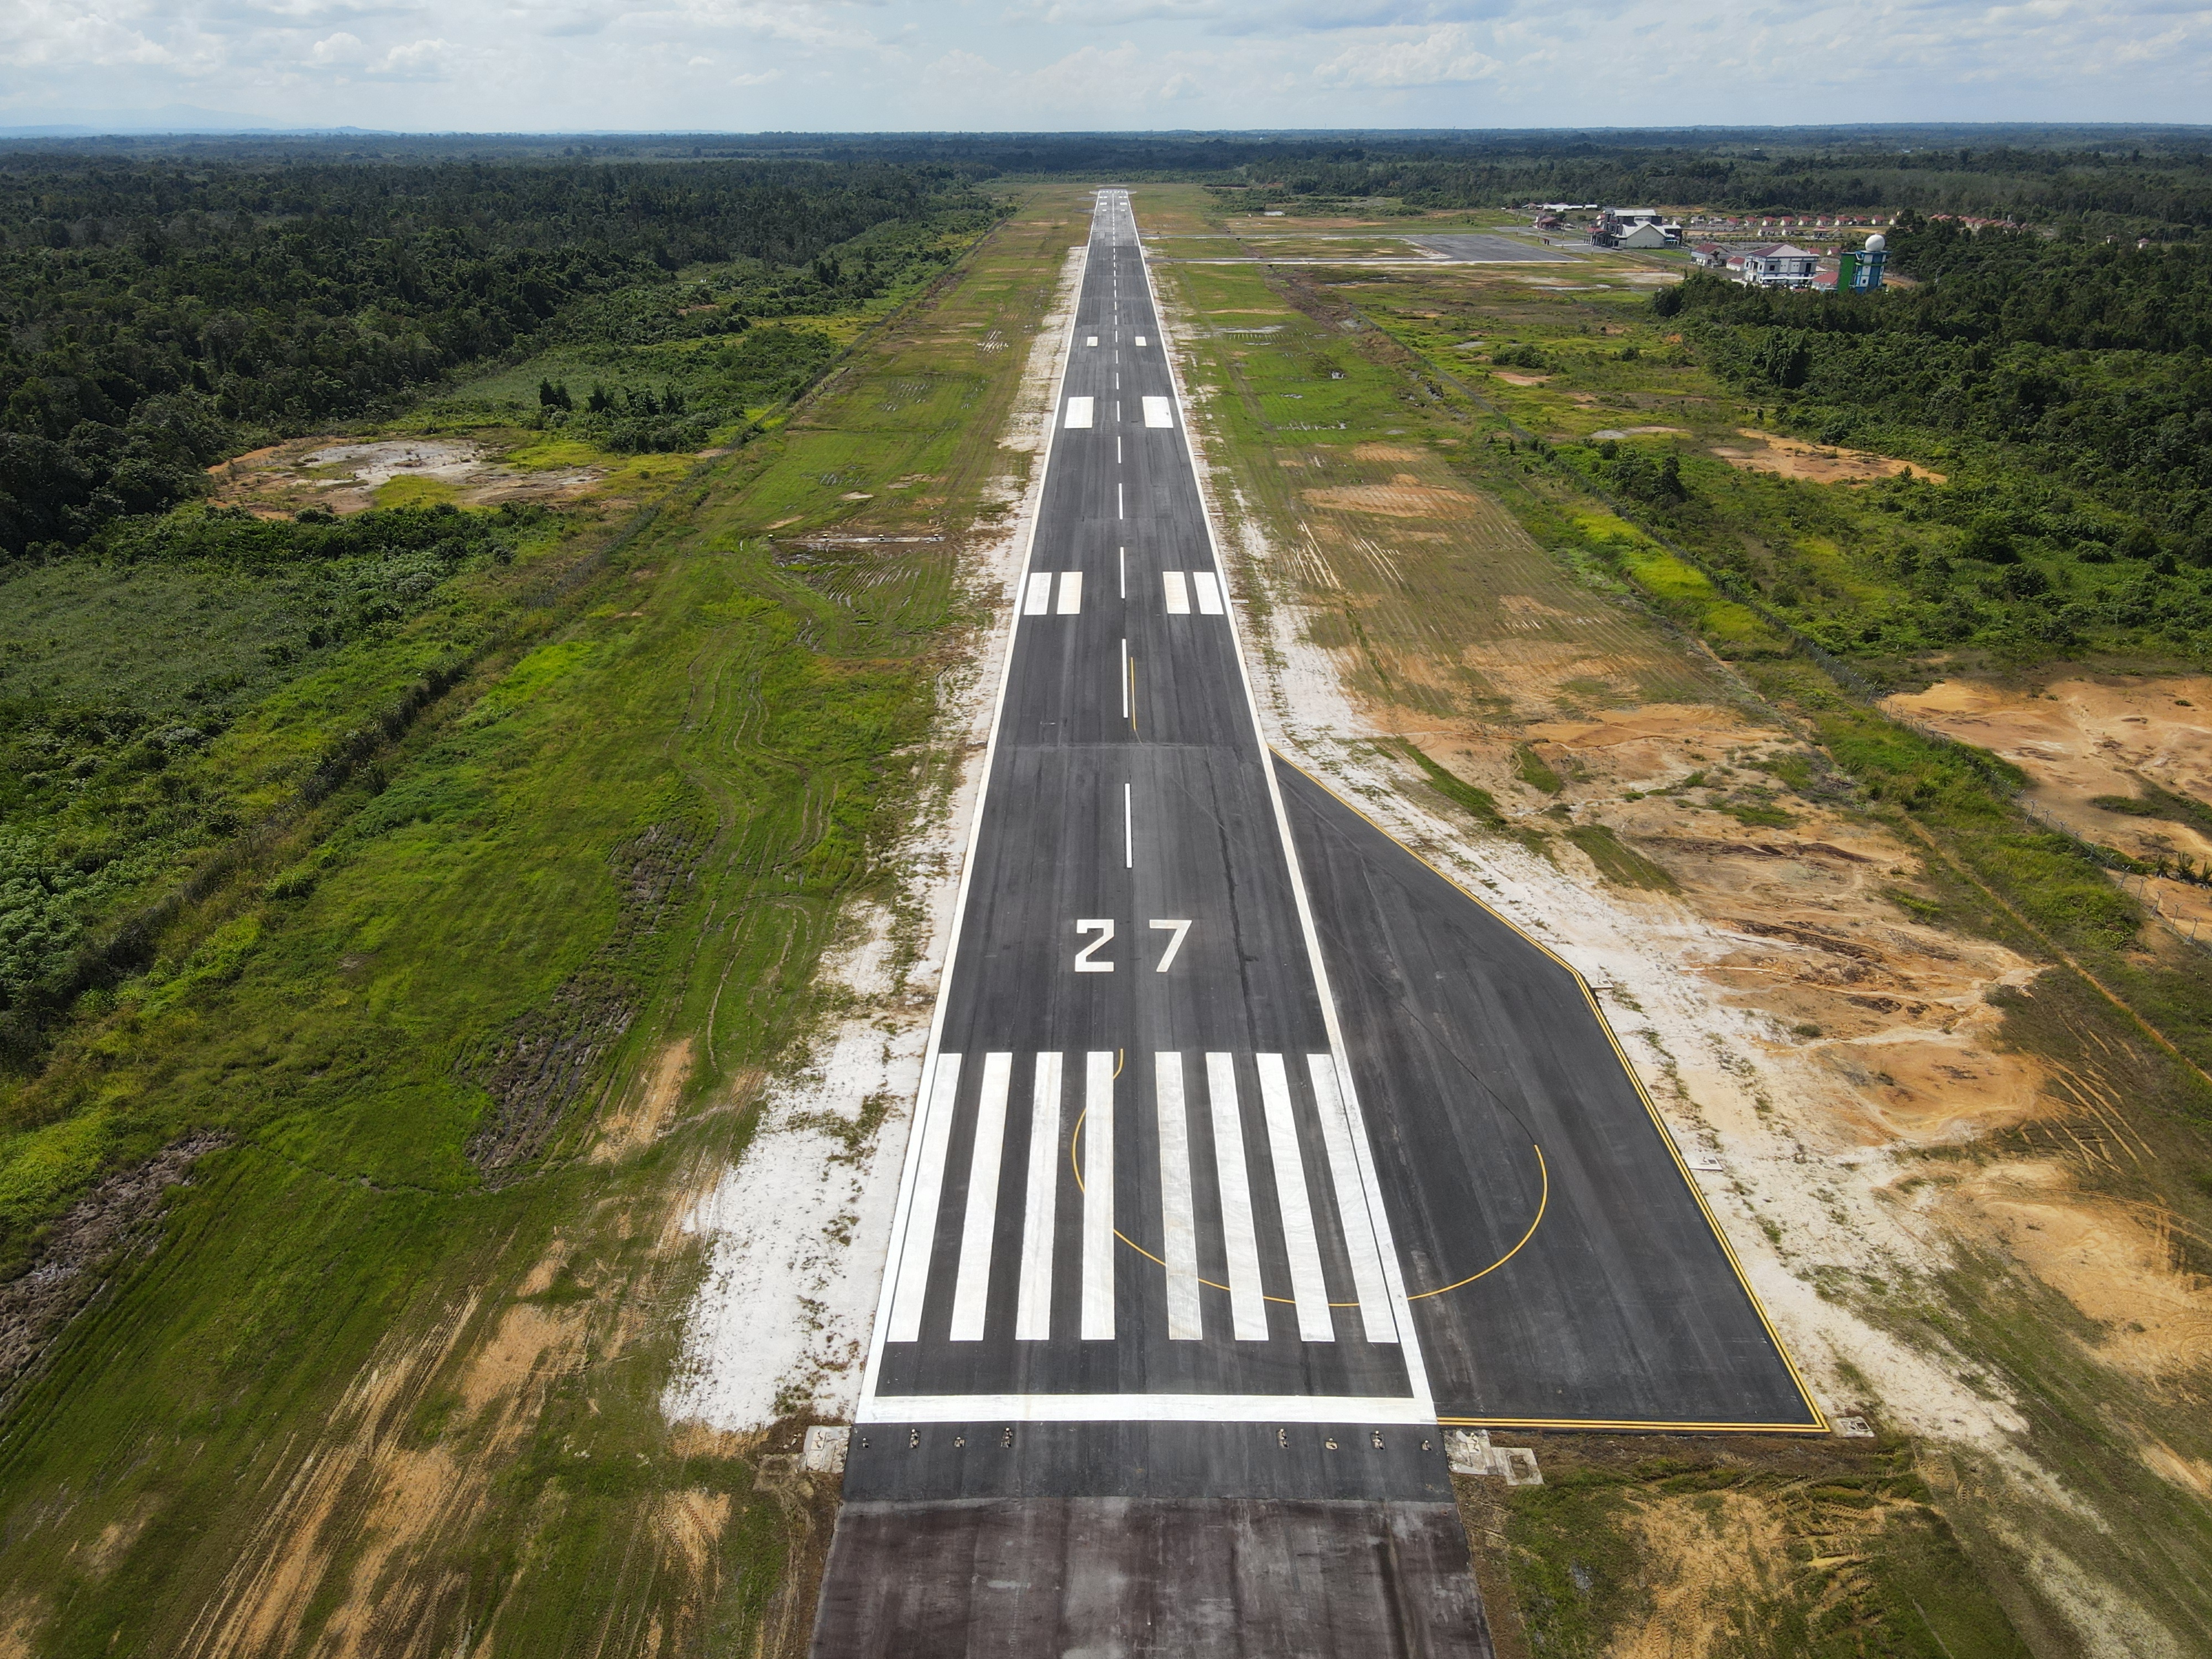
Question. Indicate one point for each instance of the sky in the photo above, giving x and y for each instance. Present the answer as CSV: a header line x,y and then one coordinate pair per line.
x,y
1044,66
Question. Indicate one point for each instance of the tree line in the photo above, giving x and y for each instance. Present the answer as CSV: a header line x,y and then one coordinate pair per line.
x,y
157,314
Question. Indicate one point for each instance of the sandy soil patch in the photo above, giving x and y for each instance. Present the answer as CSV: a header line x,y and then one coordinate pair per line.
x,y
1706,1561
1386,453
2116,1264
648,1109
1793,458
344,476
1515,377
2092,735
1404,497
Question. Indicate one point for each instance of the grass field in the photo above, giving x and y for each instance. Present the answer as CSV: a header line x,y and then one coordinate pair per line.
x,y
386,1375
1491,590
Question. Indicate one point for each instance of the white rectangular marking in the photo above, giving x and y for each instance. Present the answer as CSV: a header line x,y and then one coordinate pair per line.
x,y
1078,412
1128,827
1157,412
971,1285
1140,339
1178,593
1208,586
1039,598
1099,1197
1308,1290
1367,1281
921,1217
1033,1303
1071,592
1178,1218
1335,1410
1092,340
1248,1303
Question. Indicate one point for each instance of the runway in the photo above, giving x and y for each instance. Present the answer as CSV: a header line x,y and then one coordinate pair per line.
x,y
1146,1354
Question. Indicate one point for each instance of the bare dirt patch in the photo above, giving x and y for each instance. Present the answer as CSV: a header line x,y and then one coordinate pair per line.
x,y
1793,458
1513,377
1386,453
2087,736
344,475
1404,497
120,1213
1705,1560
2115,1263
648,1109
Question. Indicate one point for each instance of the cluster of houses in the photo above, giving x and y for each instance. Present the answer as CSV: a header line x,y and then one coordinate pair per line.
x,y
1757,263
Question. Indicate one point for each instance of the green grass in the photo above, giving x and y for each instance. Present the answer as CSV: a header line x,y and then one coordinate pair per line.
x,y
1617,861
330,1008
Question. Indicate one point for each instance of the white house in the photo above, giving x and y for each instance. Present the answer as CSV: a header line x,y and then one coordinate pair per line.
x,y
1774,264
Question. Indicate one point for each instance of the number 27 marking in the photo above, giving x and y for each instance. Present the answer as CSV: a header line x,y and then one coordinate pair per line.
x,y
1086,959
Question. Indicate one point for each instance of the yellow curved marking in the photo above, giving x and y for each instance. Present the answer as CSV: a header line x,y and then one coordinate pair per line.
x,y
1659,1123
1543,1199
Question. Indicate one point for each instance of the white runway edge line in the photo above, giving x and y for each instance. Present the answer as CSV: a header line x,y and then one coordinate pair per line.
x,y
1078,411
1416,1371
899,1270
935,1138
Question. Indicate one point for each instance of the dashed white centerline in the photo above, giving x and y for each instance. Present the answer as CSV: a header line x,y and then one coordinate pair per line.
x,y
1128,829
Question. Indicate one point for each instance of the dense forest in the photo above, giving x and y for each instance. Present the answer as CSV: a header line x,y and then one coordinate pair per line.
x,y
2082,363
160,314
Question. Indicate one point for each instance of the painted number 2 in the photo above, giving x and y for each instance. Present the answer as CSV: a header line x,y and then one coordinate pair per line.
x,y
1086,959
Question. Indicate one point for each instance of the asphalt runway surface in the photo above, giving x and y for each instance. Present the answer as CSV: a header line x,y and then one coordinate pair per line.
x,y
1144,1358
1561,1266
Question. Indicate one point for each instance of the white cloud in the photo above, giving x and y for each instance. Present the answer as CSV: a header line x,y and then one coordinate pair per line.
x,y
858,64
1442,57
418,60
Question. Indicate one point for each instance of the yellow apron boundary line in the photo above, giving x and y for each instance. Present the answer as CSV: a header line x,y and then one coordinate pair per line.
x,y
1659,1123
1637,1425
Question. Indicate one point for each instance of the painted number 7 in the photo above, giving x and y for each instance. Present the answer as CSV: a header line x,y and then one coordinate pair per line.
x,y
1086,959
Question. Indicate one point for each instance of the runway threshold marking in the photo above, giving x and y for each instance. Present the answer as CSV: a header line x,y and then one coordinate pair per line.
x,y
1078,411
1177,592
